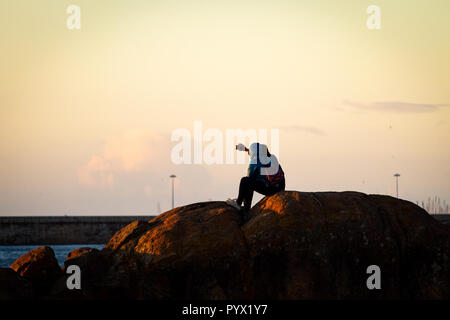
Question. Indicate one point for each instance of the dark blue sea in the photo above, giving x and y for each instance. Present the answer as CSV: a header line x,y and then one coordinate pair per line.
x,y
8,254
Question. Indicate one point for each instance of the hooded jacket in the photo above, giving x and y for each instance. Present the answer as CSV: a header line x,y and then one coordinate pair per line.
x,y
263,166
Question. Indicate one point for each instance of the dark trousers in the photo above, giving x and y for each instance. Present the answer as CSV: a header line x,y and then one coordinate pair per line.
x,y
248,186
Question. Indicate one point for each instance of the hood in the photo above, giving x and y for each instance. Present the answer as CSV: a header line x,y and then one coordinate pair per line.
x,y
263,153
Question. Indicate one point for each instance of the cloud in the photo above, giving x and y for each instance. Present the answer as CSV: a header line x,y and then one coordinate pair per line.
x,y
307,129
98,171
135,151
133,171
395,106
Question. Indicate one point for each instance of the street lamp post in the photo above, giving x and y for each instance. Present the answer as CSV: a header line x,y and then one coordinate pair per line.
x,y
173,191
396,181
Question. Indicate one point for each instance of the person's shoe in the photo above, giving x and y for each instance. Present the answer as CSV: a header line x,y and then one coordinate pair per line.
x,y
233,203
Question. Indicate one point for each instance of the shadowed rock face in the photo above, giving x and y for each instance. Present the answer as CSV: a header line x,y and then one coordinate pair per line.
x,y
40,267
323,243
13,286
293,245
193,251
92,264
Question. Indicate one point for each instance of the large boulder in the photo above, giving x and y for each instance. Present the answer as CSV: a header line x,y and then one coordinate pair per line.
x,y
40,267
92,264
293,245
196,251
89,259
319,245
13,286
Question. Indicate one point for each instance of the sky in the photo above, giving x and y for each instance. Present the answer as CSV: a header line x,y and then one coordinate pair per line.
x,y
87,115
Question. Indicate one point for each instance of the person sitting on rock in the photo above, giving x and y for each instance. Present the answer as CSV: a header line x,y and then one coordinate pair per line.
x,y
264,176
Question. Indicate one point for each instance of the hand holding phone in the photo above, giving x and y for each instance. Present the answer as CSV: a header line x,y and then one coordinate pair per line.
x,y
241,147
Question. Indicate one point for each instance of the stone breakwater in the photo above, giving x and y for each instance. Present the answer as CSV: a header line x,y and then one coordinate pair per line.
x,y
52,230
77,229
292,245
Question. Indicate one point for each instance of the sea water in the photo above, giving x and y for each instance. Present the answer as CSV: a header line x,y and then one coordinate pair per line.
x,y
8,254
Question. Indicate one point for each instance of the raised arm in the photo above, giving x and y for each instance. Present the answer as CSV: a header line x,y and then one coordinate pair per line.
x,y
241,147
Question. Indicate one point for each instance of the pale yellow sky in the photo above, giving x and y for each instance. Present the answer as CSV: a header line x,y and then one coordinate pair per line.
x,y
86,115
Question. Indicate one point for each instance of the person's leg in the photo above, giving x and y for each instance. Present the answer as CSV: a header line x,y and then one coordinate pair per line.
x,y
246,188
258,186
262,189
282,185
242,187
269,190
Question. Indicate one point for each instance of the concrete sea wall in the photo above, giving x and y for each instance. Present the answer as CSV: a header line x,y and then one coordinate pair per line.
x,y
76,229
62,229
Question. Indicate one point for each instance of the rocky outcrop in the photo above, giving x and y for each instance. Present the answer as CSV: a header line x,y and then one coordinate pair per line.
x,y
40,267
13,286
323,242
92,264
292,245
89,259
194,251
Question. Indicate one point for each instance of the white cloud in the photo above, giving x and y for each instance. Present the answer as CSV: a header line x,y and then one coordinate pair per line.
x,y
133,170
135,151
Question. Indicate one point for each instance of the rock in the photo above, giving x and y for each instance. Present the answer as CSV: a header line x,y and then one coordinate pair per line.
x,y
80,252
40,267
93,265
319,245
13,286
89,259
294,245
197,251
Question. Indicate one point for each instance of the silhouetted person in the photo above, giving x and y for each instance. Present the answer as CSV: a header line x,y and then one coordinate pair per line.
x,y
264,176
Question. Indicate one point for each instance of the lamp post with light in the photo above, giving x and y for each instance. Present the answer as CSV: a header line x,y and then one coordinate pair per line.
x,y
396,182
173,190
